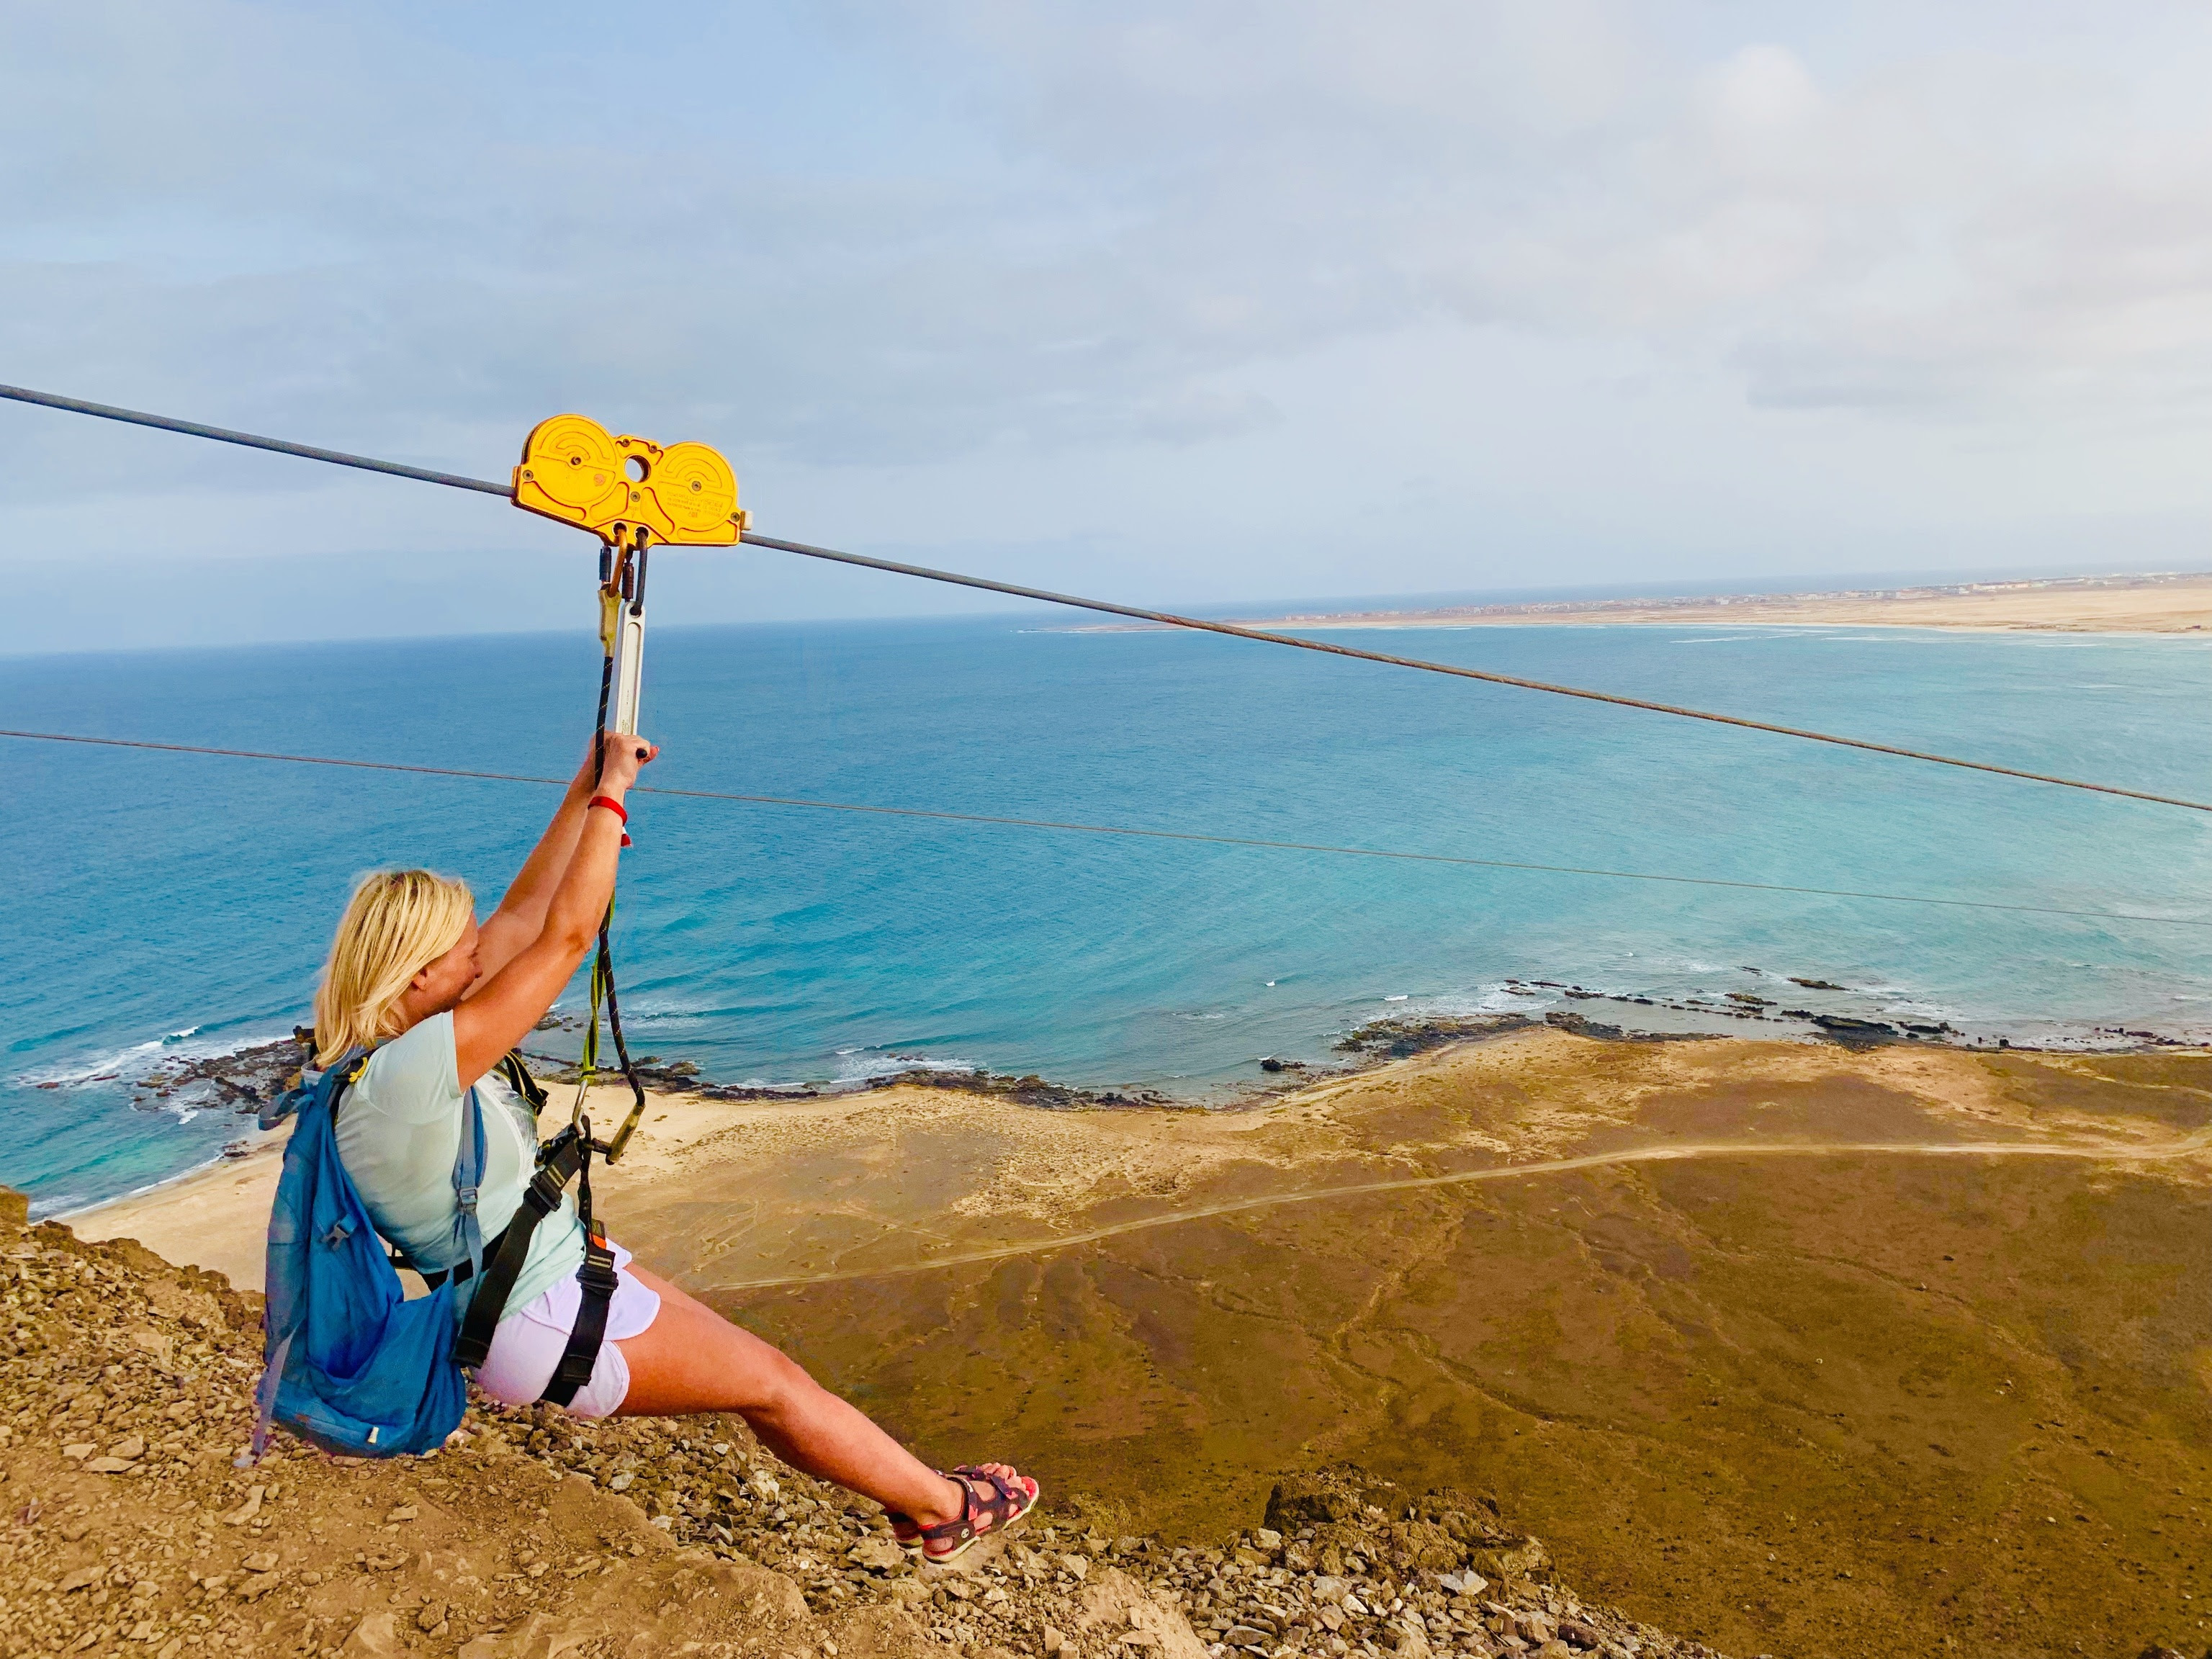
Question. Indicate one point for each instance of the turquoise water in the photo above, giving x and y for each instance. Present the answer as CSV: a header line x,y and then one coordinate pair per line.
x,y
158,905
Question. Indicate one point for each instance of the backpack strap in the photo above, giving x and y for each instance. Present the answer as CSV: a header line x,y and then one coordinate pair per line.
x,y
468,1172
599,1279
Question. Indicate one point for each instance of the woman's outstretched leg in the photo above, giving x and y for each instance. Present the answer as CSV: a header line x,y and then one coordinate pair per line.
x,y
693,1360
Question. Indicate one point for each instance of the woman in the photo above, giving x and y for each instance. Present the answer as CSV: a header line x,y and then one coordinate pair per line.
x,y
439,1000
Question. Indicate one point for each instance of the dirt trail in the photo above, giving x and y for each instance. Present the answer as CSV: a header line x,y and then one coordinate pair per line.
x,y
2194,1145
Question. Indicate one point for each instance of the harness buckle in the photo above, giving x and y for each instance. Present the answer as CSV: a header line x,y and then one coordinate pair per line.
x,y
599,1274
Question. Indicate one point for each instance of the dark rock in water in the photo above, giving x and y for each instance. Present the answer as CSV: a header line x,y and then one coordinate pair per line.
x,y
1855,1033
1272,1064
1560,1021
1396,1039
1818,984
243,1081
1920,1028
1749,1001
2156,1038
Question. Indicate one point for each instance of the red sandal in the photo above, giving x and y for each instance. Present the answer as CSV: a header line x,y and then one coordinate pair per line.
x,y
1008,1502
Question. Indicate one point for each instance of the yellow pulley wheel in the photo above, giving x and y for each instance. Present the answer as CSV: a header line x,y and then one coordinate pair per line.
x,y
574,471
695,488
573,462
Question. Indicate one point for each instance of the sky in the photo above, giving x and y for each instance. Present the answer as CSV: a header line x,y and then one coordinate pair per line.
x,y
1191,304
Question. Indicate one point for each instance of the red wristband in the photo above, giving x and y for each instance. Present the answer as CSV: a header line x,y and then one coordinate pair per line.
x,y
610,803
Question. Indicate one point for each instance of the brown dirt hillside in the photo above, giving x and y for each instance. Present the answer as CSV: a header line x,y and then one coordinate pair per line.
x,y
1783,1347
129,1532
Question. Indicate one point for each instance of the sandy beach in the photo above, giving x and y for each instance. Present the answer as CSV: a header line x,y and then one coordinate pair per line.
x,y
737,1195
2154,604
217,1216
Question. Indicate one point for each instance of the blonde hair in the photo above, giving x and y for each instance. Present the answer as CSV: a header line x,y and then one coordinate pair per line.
x,y
397,923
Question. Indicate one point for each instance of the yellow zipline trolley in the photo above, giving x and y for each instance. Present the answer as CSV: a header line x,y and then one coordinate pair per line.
x,y
631,493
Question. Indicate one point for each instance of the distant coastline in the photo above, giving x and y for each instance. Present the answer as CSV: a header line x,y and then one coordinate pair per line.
x,y
2147,603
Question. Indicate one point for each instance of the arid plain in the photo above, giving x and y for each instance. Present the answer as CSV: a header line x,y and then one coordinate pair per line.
x,y
1785,1347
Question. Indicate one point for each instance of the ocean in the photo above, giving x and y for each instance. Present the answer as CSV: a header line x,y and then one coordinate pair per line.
x,y
166,906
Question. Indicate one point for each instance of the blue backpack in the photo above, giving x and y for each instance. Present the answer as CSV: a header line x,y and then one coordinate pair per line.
x,y
353,1365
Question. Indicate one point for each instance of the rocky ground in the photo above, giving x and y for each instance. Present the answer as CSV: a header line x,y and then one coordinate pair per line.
x,y
129,1530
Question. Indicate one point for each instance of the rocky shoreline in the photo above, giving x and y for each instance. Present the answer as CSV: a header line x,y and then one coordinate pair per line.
x,y
245,1080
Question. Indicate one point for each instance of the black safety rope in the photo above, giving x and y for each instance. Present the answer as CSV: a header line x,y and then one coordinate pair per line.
x,y
1114,829
1165,618
602,989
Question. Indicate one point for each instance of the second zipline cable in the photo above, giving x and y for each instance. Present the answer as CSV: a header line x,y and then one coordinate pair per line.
x,y
1191,835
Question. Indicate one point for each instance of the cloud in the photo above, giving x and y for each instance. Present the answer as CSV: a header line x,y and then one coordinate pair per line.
x,y
1942,229
1080,275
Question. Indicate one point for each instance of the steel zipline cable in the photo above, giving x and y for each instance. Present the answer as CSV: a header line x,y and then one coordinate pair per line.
x,y
1107,830
1165,618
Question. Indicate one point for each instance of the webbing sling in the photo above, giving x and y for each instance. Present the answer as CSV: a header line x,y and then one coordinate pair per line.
x,y
527,1089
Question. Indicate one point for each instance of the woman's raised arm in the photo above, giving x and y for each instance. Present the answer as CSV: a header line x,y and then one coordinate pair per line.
x,y
521,914
512,997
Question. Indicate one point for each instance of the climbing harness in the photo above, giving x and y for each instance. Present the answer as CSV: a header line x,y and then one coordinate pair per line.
x,y
602,504
492,1270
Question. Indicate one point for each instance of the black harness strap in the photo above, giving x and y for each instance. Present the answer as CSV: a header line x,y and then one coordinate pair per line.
x,y
557,1162
597,1278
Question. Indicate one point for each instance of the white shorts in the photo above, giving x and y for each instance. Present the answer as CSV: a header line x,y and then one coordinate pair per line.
x,y
526,1346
